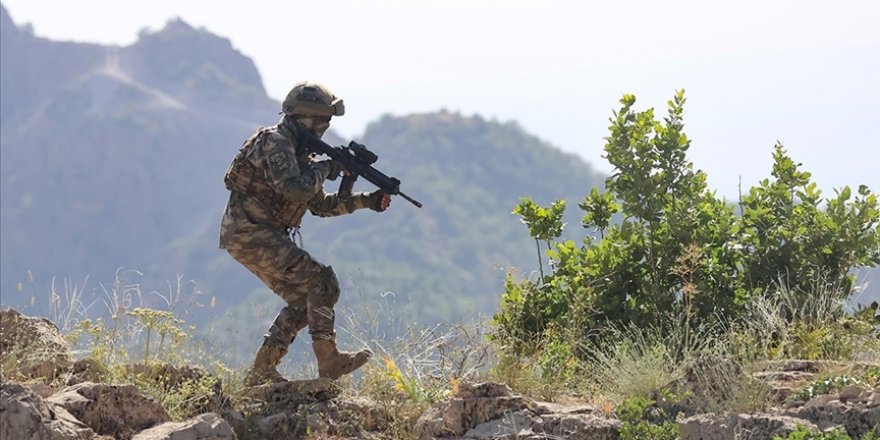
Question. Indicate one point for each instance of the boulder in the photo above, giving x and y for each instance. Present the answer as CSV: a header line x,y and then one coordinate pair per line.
x,y
284,425
874,399
288,396
739,426
517,425
351,416
116,410
473,404
854,409
235,418
577,426
86,370
25,415
348,418
295,408
207,426
41,389
490,411
528,425
33,347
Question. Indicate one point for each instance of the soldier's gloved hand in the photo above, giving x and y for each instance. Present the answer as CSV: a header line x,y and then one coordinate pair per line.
x,y
333,168
379,200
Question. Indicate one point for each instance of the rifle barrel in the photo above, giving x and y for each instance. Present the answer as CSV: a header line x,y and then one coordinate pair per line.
x,y
410,199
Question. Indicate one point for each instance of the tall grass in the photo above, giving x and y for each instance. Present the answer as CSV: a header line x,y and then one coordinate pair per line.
x,y
126,335
414,366
789,324
710,369
633,362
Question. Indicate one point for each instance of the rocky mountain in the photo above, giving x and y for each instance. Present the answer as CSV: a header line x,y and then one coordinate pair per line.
x,y
113,157
103,160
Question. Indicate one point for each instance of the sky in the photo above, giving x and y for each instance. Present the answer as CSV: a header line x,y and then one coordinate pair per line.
x,y
805,72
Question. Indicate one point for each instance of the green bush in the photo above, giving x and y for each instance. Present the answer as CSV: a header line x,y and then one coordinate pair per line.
x,y
803,433
678,250
640,419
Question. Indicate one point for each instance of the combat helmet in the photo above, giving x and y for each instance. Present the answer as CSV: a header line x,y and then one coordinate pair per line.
x,y
309,98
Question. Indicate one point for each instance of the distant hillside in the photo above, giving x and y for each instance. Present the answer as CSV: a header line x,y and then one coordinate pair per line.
x,y
114,156
102,160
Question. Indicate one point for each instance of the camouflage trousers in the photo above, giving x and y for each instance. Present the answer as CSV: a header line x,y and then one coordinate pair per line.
x,y
310,288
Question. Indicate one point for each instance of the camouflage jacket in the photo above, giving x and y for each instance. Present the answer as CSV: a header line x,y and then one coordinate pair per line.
x,y
273,184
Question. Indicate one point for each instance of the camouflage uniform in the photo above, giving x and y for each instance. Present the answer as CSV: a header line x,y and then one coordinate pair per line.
x,y
272,185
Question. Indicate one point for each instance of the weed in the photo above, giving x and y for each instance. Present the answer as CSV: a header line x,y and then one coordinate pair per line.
x,y
802,433
634,361
826,386
790,325
641,419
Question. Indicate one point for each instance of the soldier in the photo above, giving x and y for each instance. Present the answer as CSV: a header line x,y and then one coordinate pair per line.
x,y
273,182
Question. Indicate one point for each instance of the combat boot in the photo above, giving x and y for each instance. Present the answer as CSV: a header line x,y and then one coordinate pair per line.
x,y
332,363
264,370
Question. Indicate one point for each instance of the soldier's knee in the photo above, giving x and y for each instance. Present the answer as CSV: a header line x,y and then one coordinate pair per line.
x,y
331,284
324,288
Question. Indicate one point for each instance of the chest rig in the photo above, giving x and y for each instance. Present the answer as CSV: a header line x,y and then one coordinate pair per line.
x,y
244,177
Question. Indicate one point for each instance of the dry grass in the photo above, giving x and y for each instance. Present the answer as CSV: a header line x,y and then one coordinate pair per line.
x,y
415,367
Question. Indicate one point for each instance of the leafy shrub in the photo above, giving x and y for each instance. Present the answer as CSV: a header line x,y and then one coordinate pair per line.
x,y
640,419
803,433
785,233
678,250
642,430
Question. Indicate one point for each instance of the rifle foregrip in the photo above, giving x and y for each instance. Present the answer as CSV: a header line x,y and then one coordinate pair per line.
x,y
346,186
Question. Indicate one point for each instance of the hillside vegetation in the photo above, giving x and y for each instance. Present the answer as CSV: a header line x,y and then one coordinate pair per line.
x,y
681,305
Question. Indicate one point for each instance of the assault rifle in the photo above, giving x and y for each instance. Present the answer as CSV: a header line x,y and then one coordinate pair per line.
x,y
358,160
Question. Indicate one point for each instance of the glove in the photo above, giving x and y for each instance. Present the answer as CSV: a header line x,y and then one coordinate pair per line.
x,y
379,200
332,167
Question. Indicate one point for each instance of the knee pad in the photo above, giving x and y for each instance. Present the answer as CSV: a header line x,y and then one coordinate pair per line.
x,y
331,285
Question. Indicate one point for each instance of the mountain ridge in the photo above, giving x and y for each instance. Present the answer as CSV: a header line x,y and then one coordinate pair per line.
x,y
120,164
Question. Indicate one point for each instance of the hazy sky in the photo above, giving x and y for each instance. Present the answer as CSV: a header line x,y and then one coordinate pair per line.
x,y
803,72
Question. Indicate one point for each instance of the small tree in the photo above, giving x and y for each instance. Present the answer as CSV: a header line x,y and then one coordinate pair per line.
x,y
786,237
545,224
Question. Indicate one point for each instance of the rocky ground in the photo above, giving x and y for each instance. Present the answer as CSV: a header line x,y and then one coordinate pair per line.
x,y
78,406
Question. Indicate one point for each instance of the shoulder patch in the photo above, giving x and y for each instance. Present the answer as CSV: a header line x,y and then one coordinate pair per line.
x,y
279,160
